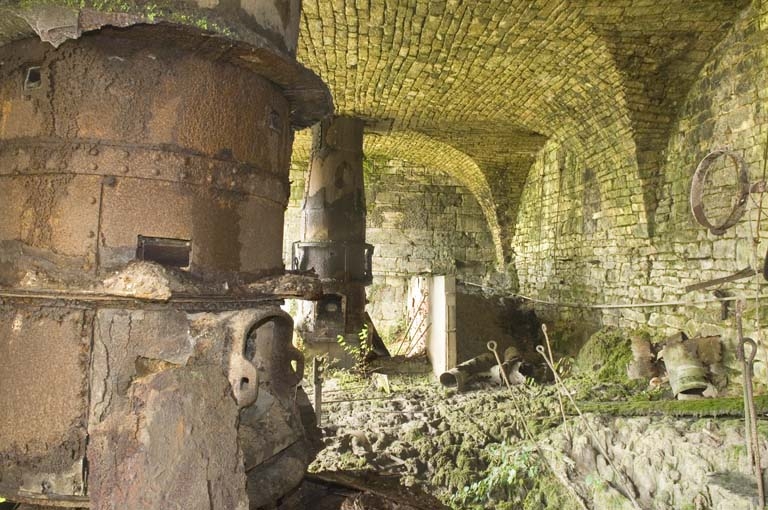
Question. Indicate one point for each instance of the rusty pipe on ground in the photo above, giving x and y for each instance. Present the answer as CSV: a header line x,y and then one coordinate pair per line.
x,y
466,372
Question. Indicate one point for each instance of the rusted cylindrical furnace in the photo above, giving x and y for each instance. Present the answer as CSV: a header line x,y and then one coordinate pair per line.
x,y
143,179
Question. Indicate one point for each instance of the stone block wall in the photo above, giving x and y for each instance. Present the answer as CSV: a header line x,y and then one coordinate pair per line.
x,y
582,236
725,108
420,220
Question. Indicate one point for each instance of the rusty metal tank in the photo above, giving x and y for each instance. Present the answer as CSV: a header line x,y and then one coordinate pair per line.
x,y
143,180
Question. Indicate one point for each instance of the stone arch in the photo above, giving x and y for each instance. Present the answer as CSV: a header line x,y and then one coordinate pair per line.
x,y
495,68
423,150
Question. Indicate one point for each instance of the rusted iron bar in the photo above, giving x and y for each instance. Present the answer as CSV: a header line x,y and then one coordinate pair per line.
x,y
317,376
750,420
740,275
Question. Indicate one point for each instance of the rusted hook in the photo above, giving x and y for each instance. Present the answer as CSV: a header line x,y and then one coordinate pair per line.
x,y
492,345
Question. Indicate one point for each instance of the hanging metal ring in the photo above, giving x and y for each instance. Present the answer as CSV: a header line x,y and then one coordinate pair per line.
x,y
697,190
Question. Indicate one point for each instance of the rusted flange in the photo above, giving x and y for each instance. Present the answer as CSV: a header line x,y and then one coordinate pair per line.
x,y
697,190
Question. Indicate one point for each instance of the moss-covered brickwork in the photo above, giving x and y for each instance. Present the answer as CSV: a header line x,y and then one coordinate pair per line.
x,y
588,236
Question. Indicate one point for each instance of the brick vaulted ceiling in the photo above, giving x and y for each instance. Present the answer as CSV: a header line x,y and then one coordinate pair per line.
x,y
493,80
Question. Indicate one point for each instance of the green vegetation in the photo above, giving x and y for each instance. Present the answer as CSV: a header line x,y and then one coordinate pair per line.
x,y
710,407
359,351
515,478
605,356
511,474
152,12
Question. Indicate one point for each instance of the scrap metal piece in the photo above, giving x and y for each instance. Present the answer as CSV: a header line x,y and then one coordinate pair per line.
x,y
750,419
739,275
697,190
463,373
687,375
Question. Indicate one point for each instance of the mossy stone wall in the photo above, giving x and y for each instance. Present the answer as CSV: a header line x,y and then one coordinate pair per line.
x,y
583,233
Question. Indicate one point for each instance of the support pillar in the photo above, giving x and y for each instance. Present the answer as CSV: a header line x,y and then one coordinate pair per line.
x,y
333,235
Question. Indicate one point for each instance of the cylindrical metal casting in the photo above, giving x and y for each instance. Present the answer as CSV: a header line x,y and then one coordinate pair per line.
x,y
143,180
333,232
124,135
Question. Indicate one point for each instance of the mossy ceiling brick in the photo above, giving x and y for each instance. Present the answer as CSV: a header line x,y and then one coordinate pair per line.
x,y
495,80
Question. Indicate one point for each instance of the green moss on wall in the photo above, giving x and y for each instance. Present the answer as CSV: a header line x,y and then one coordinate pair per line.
x,y
153,12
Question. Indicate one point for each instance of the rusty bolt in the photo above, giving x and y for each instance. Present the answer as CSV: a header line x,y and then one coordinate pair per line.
x,y
94,152
91,234
93,200
126,154
93,166
156,171
209,179
124,169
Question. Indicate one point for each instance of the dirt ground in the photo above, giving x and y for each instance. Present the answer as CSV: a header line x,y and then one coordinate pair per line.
x,y
471,449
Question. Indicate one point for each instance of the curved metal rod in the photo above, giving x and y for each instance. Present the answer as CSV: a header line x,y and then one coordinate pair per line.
x,y
697,190
750,421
